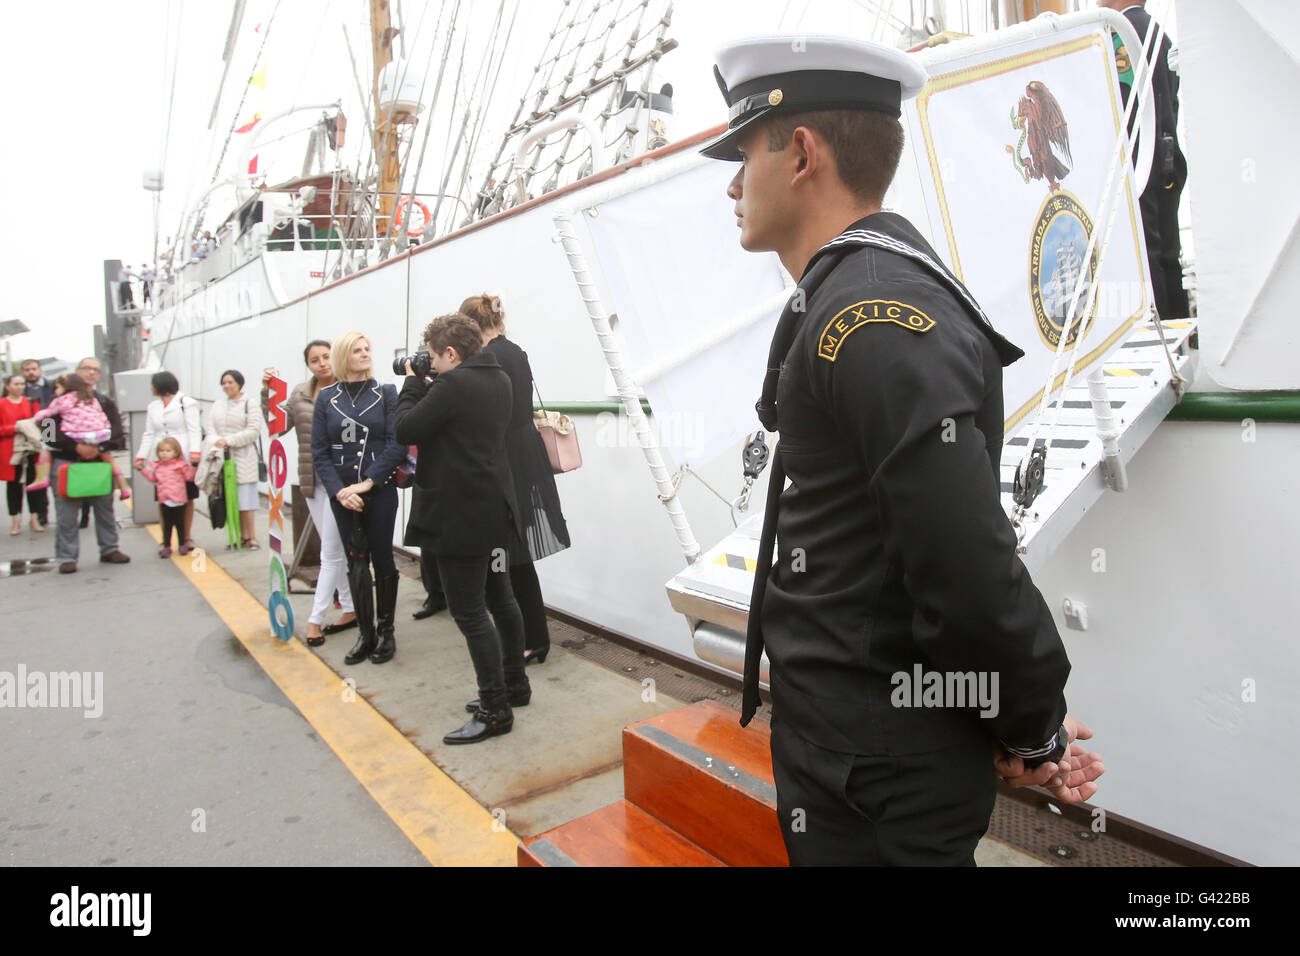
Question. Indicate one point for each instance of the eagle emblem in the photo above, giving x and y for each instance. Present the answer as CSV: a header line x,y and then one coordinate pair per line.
x,y
1041,122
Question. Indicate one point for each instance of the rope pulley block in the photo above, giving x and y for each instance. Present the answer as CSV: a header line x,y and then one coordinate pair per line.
x,y
1029,479
754,457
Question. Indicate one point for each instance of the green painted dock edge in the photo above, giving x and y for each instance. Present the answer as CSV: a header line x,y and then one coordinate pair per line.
x,y
587,408
1278,406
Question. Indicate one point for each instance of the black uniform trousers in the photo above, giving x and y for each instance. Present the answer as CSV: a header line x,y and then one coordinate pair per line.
x,y
1164,249
840,809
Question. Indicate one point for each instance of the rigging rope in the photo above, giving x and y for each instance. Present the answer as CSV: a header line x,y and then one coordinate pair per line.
x,y
1109,201
244,95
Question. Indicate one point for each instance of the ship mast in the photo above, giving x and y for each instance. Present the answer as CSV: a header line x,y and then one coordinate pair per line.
x,y
388,122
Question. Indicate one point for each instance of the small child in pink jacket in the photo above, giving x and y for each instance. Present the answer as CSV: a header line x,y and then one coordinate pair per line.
x,y
83,421
170,471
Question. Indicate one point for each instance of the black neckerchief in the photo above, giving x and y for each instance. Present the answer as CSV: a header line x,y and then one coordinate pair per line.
x,y
787,327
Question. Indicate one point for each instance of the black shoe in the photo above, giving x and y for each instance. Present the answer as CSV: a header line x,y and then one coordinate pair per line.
x,y
85,520
385,607
335,628
315,641
484,724
430,607
536,657
365,642
519,697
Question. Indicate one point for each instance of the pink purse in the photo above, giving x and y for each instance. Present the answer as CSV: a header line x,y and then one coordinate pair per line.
x,y
560,436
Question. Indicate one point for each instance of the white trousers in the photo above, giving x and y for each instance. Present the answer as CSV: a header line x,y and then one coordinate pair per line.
x,y
333,559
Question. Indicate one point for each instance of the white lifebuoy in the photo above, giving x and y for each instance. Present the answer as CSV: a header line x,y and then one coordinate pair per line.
x,y
418,221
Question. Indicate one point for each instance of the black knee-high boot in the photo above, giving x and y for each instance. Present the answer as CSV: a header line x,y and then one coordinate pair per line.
x,y
385,607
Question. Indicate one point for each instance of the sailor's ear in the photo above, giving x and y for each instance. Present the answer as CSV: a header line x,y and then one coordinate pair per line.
x,y
805,151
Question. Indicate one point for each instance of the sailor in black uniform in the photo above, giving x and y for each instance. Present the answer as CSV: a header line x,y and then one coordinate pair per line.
x,y
912,659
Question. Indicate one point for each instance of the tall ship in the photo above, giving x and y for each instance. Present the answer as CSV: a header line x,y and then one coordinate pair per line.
x,y
1148,466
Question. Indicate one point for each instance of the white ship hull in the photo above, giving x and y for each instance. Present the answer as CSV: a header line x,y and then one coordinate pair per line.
x,y
622,550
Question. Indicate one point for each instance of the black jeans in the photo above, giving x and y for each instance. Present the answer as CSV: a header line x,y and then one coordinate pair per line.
x,y
837,809
378,521
497,652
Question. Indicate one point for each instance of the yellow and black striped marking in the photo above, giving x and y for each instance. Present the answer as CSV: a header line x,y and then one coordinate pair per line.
x,y
737,562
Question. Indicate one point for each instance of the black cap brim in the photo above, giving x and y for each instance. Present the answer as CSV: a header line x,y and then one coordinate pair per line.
x,y
724,147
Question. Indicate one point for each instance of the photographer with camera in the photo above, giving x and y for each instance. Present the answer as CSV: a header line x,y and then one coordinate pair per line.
x,y
465,515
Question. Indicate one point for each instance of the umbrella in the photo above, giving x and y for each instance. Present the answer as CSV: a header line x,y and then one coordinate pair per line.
x,y
359,579
230,485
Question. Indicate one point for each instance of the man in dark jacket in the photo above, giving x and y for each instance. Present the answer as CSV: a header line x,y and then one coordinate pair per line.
x,y
40,390
465,514
1160,198
67,543
36,386
905,637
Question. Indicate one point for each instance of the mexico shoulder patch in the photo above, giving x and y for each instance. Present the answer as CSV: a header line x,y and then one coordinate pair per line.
x,y
859,314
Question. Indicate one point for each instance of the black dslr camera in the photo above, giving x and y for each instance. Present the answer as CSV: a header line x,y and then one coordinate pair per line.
x,y
421,364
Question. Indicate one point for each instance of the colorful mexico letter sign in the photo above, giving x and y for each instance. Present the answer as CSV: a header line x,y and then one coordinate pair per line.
x,y
277,472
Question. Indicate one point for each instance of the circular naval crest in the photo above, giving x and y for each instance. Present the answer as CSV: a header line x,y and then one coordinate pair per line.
x,y
1056,253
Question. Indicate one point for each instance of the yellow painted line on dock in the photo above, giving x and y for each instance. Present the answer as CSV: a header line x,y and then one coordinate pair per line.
x,y
444,822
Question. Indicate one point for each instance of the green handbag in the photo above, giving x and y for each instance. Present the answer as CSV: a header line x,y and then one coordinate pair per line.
x,y
85,479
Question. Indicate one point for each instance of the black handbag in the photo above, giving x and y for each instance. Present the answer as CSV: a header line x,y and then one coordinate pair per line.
x,y
217,510
217,501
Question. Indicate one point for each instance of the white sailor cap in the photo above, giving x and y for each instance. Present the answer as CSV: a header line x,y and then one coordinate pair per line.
x,y
765,75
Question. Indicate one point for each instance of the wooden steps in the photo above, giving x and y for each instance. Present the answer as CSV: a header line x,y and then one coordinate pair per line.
x,y
616,835
698,791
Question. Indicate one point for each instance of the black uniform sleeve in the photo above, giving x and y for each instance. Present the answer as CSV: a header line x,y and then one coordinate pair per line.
x,y
908,401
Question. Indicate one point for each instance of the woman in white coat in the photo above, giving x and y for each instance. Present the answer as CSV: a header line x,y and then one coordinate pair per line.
x,y
172,415
236,423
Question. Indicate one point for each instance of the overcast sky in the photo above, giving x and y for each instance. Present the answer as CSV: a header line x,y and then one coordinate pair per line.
x,y
86,86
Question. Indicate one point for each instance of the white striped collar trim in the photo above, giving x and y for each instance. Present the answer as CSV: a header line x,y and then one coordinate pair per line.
x,y
889,243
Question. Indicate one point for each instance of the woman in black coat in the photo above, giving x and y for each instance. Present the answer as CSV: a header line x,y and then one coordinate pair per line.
x,y
464,515
540,516
354,456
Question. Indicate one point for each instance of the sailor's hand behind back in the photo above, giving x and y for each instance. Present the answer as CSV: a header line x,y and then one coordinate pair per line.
x,y
1079,768
1070,781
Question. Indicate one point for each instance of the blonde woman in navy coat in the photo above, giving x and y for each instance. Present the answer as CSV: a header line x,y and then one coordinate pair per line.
x,y
355,454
